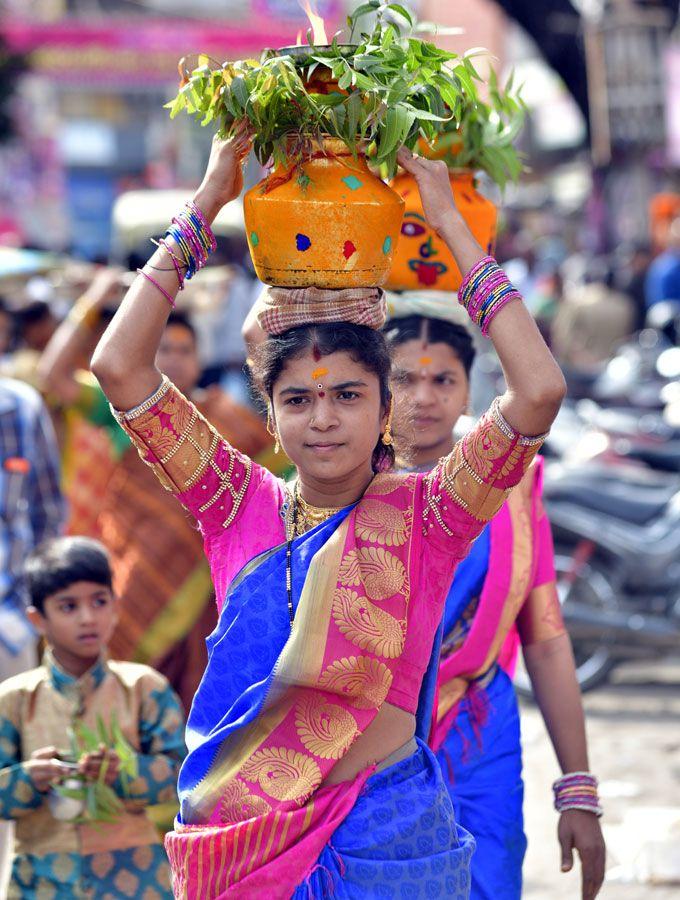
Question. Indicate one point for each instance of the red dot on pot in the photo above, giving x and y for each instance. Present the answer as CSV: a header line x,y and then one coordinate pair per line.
x,y
348,249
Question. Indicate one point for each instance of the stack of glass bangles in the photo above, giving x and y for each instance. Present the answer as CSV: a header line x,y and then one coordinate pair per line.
x,y
195,239
577,790
484,291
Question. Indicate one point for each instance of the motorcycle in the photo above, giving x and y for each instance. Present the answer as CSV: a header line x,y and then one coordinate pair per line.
x,y
586,432
617,558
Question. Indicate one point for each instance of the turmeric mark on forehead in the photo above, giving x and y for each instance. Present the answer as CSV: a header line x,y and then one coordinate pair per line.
x,y
319,373
425,360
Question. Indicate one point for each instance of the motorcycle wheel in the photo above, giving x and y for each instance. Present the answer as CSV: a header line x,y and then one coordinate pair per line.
x,y
592,585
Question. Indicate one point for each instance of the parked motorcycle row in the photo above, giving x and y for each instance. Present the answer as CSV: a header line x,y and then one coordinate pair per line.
x,y
612,492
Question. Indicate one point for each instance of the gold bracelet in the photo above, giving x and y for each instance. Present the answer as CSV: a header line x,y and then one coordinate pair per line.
x,y
83,315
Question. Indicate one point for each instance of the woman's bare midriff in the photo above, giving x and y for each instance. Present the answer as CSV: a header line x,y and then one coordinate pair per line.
x,y
390,730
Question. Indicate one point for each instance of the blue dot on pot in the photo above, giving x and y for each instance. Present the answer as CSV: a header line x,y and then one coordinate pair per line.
x,y
352,182
387,244
254,239
302,242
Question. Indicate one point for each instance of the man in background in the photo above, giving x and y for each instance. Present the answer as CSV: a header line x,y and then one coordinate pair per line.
x,y
31,510
663,277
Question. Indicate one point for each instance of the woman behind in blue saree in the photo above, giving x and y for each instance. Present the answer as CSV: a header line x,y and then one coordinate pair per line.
x,y
503,593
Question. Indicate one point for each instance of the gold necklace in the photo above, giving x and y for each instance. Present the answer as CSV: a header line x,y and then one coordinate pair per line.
x,y
308,516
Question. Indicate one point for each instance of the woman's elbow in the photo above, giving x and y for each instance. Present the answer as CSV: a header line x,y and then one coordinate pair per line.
x,y
550,390
107,367
547,392
555,385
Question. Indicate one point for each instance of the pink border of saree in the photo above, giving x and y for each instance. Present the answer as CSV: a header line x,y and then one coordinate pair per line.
x,y
263,816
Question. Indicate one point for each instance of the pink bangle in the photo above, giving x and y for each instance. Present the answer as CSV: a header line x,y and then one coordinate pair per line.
x,y
180,278
484,291
577,790
156,284
480,264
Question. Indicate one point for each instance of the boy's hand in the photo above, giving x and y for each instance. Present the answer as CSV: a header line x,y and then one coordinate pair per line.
x,y
44,769
90,765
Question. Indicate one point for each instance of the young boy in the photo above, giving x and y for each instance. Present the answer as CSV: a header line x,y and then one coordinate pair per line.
x,y
73,607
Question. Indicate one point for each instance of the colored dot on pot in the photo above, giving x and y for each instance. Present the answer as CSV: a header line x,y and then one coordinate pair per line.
x,y
254,239
387,244
352,182
348,249
302,242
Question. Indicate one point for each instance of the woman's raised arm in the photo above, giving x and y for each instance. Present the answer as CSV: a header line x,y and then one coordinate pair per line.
x,y
124,360
535,384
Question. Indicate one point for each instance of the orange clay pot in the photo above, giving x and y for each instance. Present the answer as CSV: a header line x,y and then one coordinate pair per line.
x,y
339,231
422,260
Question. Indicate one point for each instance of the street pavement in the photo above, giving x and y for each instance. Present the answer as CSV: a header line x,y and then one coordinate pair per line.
x,y
634,741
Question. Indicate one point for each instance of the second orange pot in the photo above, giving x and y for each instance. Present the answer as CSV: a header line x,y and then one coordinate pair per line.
x,y
422,260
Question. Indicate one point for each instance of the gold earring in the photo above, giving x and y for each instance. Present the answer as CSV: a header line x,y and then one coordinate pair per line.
x,y
387,433
272,431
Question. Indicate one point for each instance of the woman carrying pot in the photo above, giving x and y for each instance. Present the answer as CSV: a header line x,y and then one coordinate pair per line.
x,y
306,773
503,593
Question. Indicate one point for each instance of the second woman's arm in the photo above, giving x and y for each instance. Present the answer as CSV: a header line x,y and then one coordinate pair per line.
x,y
535,384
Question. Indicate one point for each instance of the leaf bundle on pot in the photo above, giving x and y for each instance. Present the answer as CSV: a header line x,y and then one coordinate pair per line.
x,y
388,89
484,135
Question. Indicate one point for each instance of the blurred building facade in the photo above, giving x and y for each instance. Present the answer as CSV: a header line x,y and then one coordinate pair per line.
x,y
90,117
91,124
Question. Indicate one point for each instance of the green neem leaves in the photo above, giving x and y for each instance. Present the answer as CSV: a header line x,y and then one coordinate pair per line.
x,y
390,88
484,134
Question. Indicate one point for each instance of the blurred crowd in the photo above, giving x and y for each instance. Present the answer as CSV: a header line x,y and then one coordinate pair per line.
x,y
49,325
587,304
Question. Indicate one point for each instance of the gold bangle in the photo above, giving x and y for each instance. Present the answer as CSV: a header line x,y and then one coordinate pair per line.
x,y
83,314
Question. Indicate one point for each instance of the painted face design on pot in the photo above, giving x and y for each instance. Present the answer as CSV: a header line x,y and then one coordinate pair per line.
x,y
422,261
422,247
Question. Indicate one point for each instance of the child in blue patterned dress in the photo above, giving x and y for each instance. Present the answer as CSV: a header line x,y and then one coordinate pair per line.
x,y
74,608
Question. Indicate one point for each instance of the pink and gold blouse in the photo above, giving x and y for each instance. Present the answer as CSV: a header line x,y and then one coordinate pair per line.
x,y
417,527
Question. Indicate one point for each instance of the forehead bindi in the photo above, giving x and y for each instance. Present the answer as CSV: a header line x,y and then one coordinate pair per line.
x,y
335,368
413,356
317,379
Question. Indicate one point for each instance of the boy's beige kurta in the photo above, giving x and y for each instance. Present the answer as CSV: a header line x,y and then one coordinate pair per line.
x,y
36,709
